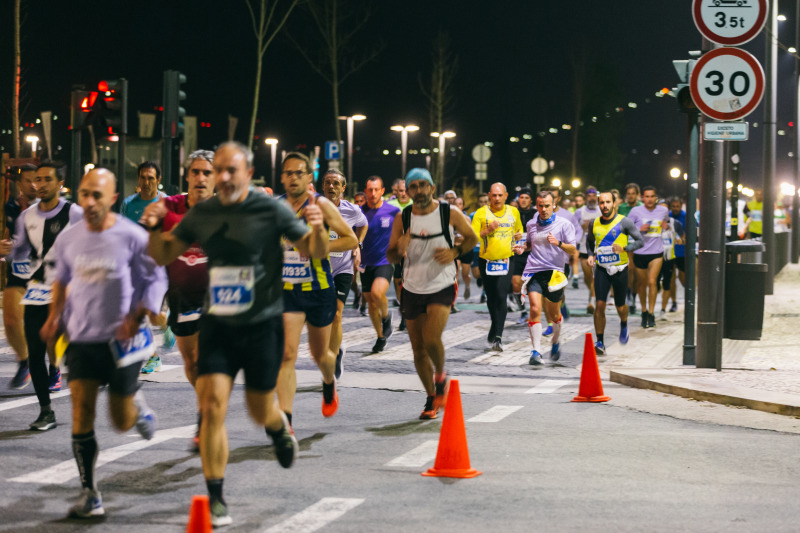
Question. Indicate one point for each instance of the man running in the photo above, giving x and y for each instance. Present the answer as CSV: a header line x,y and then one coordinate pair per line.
x,y
376,271
309,294
498,226
36,232
240,231
333,185
611,239
107,283
429,276
585,216
550,240
149,179
651,219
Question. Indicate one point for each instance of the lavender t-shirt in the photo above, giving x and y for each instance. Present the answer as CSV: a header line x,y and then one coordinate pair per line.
x,y
380,229
342,262
652,237
109,273
545,256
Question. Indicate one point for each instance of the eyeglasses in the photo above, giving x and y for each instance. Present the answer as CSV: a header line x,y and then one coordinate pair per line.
x,y
295,173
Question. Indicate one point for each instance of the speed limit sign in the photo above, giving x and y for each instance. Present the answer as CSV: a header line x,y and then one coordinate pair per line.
x,y
729,22
727,83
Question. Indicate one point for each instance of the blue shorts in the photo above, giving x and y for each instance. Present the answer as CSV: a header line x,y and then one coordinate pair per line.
x,y
319,305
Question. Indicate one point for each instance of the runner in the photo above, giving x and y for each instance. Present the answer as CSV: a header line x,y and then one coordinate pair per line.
x,y
333,184
149,179
550,240
376,272
611,239
309,294
585,216
401,200
423,236
632,194
526,213
37,229
241,328
112,283
498,226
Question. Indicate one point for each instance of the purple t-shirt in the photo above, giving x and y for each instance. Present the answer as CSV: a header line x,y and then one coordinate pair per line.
x,y
545,256
342,262
109,273
652,237
376,242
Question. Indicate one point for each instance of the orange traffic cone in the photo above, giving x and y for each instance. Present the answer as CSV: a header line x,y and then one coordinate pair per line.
x,y
452,456
199,516
591,388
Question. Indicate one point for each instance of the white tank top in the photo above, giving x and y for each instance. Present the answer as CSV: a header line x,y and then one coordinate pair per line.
x,y
422,274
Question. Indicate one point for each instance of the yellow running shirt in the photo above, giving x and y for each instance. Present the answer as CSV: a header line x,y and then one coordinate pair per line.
x,y
497,245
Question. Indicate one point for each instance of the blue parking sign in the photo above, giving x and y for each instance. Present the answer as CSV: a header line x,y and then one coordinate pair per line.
x,y
331,150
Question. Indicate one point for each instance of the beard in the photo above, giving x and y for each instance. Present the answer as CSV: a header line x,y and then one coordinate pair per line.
x,y
423,200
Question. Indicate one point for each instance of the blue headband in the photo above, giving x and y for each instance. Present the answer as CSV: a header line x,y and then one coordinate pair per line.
x,y
418,174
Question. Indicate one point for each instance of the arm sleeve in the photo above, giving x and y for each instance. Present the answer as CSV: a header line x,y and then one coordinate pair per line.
x,y
635,239
590,244
148,279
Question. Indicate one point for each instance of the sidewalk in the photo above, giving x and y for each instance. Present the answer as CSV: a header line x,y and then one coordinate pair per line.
x,y
762,375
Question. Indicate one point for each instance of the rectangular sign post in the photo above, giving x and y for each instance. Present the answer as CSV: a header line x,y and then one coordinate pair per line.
x,y
725,131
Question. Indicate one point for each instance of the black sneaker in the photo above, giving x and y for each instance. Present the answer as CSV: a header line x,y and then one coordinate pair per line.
x,y
380,344
363,310
22,376
651,320
387,325
402,326
644,320
46,420
339,369
219,514
285,443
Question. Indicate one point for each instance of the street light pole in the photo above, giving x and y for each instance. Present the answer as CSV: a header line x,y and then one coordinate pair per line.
x,y
273,148
404,145
440,171
350,127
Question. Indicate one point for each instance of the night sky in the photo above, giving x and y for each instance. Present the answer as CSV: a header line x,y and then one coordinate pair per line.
x,y
514,76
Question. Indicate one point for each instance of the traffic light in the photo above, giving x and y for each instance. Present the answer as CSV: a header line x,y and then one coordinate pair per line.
x,y
172,121
114,106
682,92
82,108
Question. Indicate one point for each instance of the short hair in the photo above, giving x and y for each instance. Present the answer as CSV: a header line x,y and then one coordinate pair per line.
x,y
376,178
675,199
611,192
579,194
649,188
300,157
244,150
60,168
359,193
335,172
27,167
483,194
552,189
399,181
205,155
545,194
633,186
525,191
149,164
450,192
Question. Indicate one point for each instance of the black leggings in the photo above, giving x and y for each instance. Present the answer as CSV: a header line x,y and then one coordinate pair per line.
x,y
35,317
497,289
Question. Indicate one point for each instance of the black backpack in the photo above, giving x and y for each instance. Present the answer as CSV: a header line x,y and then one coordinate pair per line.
x,y
444,216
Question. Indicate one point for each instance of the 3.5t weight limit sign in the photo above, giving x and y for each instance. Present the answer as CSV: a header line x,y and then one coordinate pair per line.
x,y
727,83
729,22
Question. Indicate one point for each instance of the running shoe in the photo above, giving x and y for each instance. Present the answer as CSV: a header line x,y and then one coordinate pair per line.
x,y
55,379
46,420
169,338
574,283
674,307
633,307
89,505
429,411
651,320
497,346
380,344
453,309
356,298
442,386
555,353
523,319
339,369
483,297
536,358
330,400
548,331
146,419
565,312
663,314
153,365
402,326
466,293
363,310
22,377
623,335
395,303
644,319
219,514
286,447
599,348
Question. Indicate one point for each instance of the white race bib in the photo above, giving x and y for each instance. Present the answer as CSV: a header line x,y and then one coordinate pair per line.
x,y
654,230
497,268
606,256
37,294
138,348
21,269
231,290
296,267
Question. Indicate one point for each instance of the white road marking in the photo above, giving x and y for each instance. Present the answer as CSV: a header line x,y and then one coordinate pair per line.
x,y
349,339
67,470
31,399
316,516
496,413
419,456
550,385
450,338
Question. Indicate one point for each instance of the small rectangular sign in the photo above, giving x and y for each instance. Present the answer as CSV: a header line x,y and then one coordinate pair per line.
x,y
331,150
480,175
725,131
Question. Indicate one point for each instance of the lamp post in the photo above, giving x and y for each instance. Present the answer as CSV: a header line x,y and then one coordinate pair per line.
x,y
273,148
33,139
443,136
404,144
350,127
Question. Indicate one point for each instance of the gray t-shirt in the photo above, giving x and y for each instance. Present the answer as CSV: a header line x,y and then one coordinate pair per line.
x,y
245,261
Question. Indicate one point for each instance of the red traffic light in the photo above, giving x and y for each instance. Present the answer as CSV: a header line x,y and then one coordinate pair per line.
x,y
87,103
102,86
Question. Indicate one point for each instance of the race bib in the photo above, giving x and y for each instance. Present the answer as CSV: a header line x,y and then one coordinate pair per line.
x,y
137,348
497,268
21,269
231,290
654,230
189,316
607,256
755,216
332,237
37,294
296,267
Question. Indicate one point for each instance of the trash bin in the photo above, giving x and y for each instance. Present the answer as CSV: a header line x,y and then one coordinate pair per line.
x,y
745,281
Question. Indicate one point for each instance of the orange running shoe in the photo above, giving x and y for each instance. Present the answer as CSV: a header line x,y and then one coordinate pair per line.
x,y
330,400
442,385
429,412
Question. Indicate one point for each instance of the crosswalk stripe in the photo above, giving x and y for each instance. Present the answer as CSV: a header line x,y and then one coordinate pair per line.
x,y
496,413
349,339
518,353
32,399
550,385
316,516
67,470
450,338
419,456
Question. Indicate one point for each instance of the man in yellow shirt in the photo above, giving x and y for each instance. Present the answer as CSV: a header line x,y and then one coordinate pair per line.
x,y
498,227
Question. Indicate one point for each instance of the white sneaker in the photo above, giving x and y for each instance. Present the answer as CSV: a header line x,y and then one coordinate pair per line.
x,y
89,505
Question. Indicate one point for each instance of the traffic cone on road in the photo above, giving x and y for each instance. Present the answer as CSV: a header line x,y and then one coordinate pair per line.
x,y
199,515
452,456
591,388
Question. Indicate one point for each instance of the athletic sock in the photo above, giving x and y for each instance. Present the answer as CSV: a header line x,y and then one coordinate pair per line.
x,y
535,330
84,448
215,489
556,331
599,337
623,324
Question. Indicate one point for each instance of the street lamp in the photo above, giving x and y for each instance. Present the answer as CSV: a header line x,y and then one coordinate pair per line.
x,y
33,139
556,182
442,137
273,148
350,128
404,144
576,183
675,173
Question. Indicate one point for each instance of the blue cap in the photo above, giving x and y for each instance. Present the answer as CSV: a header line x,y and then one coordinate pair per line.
x,y
418,174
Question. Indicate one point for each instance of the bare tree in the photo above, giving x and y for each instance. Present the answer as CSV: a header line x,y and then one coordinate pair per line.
x,y
439,92
580,75
17,77
336,57
265,26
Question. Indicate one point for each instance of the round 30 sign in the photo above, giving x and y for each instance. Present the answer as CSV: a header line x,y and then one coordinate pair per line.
x,y
729,22
727,83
